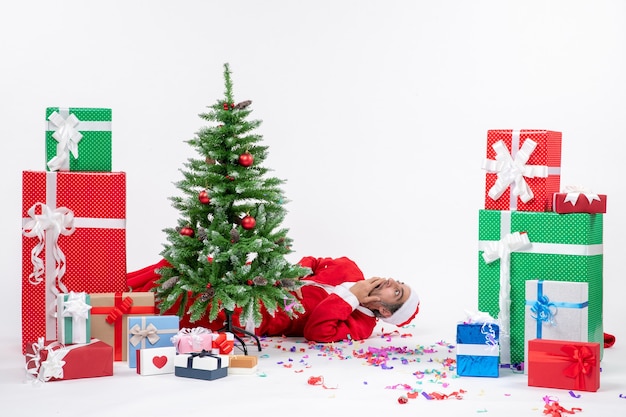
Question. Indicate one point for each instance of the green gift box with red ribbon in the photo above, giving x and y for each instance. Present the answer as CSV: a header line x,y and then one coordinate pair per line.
x,y
73,239
78,139
564,364
515,247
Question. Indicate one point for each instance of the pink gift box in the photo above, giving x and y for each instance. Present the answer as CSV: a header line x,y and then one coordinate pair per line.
x,y
193,340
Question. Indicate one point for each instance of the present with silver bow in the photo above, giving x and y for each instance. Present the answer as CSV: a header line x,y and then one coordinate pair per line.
x,y
189,340
78,139
556,310
73,318
577,199
54,361
73,239
523,169
147,332
477,346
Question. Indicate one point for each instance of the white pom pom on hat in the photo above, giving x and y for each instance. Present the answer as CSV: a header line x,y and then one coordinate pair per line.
x,y
406,313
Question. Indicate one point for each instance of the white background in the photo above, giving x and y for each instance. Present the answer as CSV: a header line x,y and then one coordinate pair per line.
x,y
375,113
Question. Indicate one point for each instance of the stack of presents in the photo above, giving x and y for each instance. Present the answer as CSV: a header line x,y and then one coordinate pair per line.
x,y
78,317
539,269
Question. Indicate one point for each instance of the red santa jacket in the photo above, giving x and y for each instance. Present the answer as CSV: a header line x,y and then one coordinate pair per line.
x,y
332,312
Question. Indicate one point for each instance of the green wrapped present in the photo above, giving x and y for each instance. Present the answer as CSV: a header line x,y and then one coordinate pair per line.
x,y
78,139
515,247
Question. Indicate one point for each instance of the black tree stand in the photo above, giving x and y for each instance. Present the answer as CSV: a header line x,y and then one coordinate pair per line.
x,y
237,331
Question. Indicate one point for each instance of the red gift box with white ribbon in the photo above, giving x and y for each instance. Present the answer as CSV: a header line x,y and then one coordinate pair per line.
x,y
73,239
575,199
523,169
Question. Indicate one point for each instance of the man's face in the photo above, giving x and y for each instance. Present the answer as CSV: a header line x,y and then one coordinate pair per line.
x,y
392,292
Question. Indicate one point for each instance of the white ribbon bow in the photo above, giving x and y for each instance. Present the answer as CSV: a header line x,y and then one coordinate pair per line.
x,y
76,307
574,191
195,336
67,137
139,334
52,367
511,171
502,248
54,222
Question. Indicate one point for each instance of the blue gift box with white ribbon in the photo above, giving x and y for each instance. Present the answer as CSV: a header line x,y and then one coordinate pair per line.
x,y
478,349
556,310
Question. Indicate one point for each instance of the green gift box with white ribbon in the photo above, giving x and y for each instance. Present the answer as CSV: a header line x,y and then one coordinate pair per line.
x,y
78,139
515,247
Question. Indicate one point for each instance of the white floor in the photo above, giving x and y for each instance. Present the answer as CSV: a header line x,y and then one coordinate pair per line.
x,y
295,378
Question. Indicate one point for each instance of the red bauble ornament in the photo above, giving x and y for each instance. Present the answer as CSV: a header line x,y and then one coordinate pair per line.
x,y
246,159
248,222
209,258
187,231
204,197
250,282
229,106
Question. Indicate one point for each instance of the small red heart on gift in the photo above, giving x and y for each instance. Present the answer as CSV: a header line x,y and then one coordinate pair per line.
x,y
159,361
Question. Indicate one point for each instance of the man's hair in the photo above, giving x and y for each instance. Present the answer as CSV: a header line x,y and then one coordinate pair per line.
x,y
391,307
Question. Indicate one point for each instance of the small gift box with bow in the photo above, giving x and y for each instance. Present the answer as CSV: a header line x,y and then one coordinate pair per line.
x,y
53,361
192,340
579,200
73,318
242,364
564,364
477,348
109,317
156,361
148,332
556,310
223,343
201,365
78,139
523,169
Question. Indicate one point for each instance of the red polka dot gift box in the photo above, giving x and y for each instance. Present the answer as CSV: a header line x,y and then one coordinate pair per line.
x,y
523,169
73,239
78,139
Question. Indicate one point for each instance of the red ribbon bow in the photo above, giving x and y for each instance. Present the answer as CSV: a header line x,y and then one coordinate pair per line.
x,y
119,311
554,409
583,360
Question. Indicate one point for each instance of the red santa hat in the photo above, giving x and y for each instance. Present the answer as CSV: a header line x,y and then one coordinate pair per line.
x,y
406,313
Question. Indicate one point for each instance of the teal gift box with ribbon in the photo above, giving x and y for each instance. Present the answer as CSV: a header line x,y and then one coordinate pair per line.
x,y
515,247
556,310
78,139
147,332
73,318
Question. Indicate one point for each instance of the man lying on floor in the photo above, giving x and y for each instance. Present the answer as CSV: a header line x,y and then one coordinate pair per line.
x,y
339,303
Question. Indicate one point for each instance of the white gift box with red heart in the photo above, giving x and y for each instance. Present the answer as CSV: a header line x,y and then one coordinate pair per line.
x,y
156,361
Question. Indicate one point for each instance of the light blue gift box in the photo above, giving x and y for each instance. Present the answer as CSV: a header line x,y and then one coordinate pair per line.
x,y
146,332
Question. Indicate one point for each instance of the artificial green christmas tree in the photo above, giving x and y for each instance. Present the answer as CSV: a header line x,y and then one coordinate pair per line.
x,y
228,251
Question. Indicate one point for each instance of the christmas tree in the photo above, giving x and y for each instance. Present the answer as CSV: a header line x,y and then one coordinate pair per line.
x,y
229,249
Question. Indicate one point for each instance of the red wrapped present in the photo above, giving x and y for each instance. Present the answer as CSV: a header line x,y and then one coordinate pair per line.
x,y
564,364
74,239
223,343
523,169
109,317
53,361
579,200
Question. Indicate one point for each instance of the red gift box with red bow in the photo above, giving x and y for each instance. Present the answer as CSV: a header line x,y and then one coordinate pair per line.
x,y
564,364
